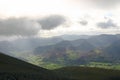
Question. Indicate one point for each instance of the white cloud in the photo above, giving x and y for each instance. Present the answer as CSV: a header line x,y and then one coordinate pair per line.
x,y
83,15
29,27
106,3
18,26
106,25
51,22
83,22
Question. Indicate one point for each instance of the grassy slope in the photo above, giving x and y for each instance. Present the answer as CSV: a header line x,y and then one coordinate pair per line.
x,y
19,70
8,63
86,73
15,69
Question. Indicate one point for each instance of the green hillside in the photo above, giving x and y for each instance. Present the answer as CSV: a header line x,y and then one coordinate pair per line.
x,y
15,69
86,73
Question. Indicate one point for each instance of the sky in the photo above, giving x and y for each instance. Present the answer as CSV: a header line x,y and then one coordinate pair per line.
x,y
47,18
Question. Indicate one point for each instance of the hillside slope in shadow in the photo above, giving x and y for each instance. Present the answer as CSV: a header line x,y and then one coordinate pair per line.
x,y
15,69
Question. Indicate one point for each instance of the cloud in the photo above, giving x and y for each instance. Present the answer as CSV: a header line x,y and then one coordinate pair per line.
x,y
29,27
83,22
51,22
18,26
105,3
106,25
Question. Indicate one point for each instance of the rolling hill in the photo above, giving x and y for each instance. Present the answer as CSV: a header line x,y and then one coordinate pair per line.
x,y
86,73
15,69
104,40
113,49
57,52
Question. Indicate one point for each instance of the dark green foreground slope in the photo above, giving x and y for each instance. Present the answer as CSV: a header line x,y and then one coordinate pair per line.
x,y
14,69
86,73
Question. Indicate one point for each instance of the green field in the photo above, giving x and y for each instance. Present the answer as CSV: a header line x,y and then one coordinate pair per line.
x,y
102,65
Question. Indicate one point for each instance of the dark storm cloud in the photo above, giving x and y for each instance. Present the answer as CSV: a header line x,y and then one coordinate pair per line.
x,y
83,22
18,26
51,22
108,24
